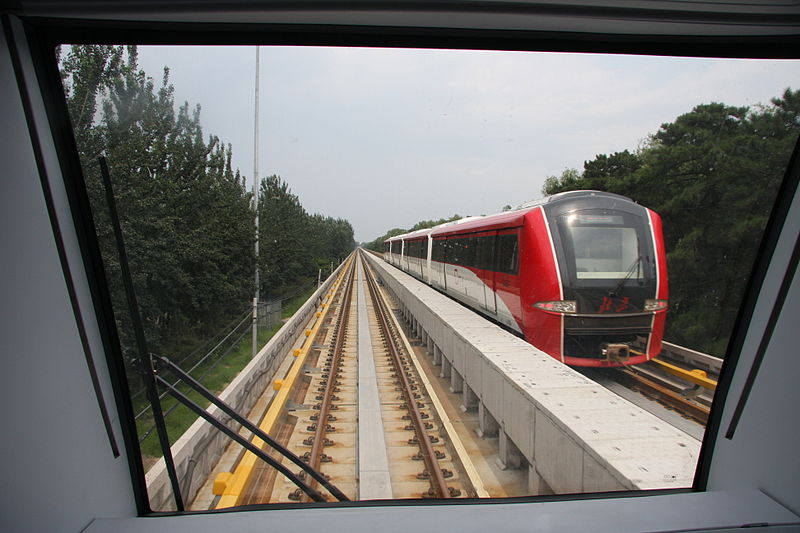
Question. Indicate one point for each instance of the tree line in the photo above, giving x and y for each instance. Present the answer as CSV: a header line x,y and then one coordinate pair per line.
x,y
377,244
187,215
712,175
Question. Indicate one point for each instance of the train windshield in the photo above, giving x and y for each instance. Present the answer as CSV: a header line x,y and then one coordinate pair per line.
x,y
602,245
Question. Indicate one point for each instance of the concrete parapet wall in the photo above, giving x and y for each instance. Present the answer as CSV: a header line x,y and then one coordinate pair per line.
x,y
200,447
573,434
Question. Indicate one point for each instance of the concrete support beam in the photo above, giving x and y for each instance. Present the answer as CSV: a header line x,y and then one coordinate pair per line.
x,y
487,425
469,401
447,368
537,486
437,355
456,381
509,457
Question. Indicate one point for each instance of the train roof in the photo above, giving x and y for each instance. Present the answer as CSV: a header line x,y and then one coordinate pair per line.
x,y
568,195
507,219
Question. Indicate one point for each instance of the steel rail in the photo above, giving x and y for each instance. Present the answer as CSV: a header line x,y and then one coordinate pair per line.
x,y
231,487
243,421
321,430
665,395
439,486
274,463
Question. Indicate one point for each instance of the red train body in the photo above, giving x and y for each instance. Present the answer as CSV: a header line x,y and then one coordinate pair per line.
x,y
580,275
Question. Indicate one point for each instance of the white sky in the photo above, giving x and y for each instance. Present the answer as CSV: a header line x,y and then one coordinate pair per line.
x,y
385,138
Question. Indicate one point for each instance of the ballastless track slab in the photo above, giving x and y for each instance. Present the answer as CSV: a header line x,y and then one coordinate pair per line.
x,y
360,412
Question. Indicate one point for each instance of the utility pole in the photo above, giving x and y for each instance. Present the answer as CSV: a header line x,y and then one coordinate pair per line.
x,y
255,207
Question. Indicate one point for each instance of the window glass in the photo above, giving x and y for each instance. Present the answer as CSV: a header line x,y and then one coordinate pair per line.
x,y
507,253
454,251
485,246
605,252
439,246
348,157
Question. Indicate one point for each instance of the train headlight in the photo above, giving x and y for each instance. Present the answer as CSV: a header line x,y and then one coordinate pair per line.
x,y
655,305
558,306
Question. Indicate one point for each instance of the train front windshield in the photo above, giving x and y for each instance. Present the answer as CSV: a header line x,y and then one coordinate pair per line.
x,y
604,245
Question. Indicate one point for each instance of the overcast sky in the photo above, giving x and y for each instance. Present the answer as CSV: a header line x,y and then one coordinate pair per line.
x,y
385,138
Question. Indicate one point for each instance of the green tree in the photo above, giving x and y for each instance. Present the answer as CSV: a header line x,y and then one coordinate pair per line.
x,y
712,175
284,258
377,244
185,214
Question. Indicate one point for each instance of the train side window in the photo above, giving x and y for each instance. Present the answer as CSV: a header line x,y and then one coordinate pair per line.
x,y
424,249
470,255
506,261
457,248
453,251
485,252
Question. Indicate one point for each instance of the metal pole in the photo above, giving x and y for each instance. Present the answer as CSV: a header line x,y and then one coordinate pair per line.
x,y
255,206
319,278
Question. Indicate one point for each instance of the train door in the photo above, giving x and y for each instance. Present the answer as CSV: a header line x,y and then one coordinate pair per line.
x,y
507,285
473,282
485,264
428,274
452,280
441,258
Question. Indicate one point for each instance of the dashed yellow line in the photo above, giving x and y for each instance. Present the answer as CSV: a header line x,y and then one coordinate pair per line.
x,y
230,486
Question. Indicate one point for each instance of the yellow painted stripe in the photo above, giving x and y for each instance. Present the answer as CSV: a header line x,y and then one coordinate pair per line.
x,y
698,377
235,483
455,440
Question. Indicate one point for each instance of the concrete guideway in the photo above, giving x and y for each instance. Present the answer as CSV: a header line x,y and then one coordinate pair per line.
x,y
374,481
571,433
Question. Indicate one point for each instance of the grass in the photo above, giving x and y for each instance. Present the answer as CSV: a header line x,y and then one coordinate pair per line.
x,y
179,419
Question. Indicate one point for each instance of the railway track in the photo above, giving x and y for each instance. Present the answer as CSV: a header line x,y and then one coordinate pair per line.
x,y
685,384
402,445
325,422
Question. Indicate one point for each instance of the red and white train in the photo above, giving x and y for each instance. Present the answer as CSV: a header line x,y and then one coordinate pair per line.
x,y
581,275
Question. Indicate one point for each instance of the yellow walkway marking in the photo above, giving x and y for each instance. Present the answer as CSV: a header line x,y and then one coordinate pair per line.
x,y
230,486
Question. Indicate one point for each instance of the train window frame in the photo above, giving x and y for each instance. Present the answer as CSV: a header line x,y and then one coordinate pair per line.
x,y
43,35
